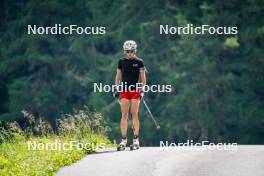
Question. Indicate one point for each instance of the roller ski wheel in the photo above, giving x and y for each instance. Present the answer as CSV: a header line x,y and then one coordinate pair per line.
x,y
121,148
122,145
134,147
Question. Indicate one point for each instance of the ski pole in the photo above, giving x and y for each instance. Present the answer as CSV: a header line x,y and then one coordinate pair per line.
x,y
152,117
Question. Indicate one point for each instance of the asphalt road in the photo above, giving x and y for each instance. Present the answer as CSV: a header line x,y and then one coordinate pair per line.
x,y
152,161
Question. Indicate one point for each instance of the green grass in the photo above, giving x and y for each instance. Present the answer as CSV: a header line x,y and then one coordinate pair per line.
x,y
16,159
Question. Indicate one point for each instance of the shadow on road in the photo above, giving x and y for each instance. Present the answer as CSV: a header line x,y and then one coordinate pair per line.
x,y
104,151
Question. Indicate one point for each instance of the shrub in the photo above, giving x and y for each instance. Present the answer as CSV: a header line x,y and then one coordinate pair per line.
x,y
3,162
81,123
10,131
16,159
36,126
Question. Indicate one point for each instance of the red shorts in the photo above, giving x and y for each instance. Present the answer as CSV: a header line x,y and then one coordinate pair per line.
x,y
130,95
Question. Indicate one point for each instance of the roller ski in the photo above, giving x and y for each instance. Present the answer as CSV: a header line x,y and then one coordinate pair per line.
x,y
122,145
135,145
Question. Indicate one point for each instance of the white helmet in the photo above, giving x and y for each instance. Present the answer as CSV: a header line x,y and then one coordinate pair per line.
x,y
130,45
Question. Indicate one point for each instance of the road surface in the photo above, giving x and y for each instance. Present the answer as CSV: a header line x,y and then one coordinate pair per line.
x,y
152,161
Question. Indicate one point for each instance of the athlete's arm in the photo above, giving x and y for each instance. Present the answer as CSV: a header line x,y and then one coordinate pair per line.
x,y
118,77
142,76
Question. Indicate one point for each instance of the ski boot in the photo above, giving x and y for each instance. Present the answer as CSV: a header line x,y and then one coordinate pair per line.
x,y
135,145
122,145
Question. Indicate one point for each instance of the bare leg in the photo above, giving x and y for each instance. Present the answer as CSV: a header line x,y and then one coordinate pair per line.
x,y
124,111
134,112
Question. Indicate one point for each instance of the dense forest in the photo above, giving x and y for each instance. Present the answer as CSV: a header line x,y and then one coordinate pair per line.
x,y
218,82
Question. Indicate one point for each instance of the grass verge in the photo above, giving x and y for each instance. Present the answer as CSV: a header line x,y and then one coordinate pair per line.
x,y
25,154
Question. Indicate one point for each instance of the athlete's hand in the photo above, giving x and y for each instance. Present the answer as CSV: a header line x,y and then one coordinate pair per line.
x,y
141,94
115,94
